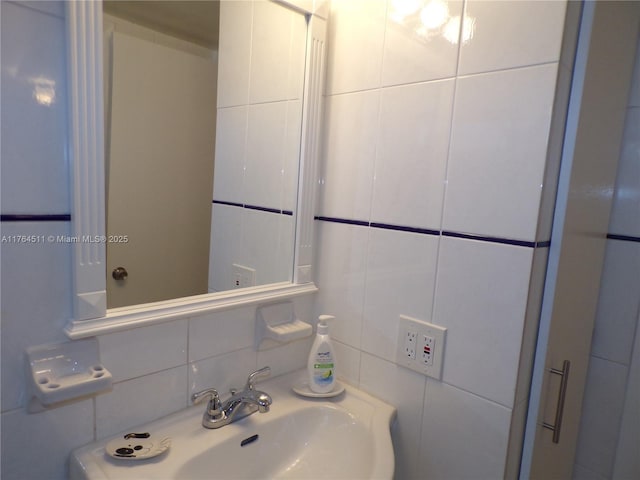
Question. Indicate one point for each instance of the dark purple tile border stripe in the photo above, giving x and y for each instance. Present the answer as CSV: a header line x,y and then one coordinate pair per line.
x,y
254,207
342,220
481,238
625,238
262,209
426,231
59,217
230,204
401,228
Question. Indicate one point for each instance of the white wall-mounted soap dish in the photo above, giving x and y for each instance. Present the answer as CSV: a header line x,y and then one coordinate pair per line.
x,y
277,324
64,371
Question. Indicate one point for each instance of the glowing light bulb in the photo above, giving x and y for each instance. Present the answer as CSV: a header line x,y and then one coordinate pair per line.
x,y
404,8
451,30
44,90
468,28
434,14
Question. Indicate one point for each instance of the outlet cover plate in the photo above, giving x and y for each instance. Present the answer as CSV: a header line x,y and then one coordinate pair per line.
x,y
436,335
243,277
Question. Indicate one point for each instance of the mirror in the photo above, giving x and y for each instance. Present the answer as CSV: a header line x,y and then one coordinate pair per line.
x,y
203,122
87,169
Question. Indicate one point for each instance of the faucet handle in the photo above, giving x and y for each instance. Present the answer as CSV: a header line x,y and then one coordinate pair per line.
x,y
262,373
212,394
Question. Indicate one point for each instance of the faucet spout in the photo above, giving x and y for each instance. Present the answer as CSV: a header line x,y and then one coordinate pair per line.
x,y
262,400
264,403
245,403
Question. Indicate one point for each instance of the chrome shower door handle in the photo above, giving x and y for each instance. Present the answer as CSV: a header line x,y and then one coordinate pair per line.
x,y
562,394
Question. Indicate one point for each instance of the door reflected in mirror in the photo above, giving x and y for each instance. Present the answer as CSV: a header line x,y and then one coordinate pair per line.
x,y
203,107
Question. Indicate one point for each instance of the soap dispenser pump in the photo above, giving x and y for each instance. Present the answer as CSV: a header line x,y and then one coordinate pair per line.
x,y
321,366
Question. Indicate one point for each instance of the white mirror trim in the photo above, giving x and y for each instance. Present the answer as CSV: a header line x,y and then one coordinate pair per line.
x,y
310,148
86,160
124,318
86,157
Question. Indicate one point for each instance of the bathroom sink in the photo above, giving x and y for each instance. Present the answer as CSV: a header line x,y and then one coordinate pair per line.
x,y
347,436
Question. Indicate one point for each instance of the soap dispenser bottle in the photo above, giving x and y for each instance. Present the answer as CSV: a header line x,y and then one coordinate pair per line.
x,y
321,366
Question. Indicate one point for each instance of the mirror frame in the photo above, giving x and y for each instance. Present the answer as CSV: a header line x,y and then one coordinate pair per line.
x,y
87,183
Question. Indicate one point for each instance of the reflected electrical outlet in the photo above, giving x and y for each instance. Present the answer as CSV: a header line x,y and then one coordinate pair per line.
x,y
243,276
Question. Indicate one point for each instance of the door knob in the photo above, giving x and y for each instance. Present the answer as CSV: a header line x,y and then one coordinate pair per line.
x,y
119,273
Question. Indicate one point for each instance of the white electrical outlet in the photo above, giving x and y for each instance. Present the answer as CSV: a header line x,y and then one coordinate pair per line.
x,y
420,346
428,347
410,340
243,276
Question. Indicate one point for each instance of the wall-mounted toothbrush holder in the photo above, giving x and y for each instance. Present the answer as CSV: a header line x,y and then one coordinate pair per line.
x,y
64,371
277,324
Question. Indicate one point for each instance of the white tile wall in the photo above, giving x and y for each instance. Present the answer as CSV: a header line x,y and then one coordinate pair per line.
x,y
273,134
413,53
497,157
358,27
511,34
31,272
340,276
165,346
140,400
394,139
349,155
54,7
33,94
485,329
272,233
231,151
234,53
463,436
404,389
260,86
242,236
349,361
206,341
36,446
277,55
226,243
400,280
417,133
286,358
222,372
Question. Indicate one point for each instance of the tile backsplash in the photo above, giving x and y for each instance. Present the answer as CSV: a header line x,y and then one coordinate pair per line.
x,y
434,211
431,189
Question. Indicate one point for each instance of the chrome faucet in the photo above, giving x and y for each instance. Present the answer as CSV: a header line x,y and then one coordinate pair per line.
x,y
239,405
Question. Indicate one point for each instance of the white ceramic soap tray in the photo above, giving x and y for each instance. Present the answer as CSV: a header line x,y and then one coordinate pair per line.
x,y
67,370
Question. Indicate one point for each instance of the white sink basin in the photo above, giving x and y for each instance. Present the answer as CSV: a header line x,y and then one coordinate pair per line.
x,y
346,437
